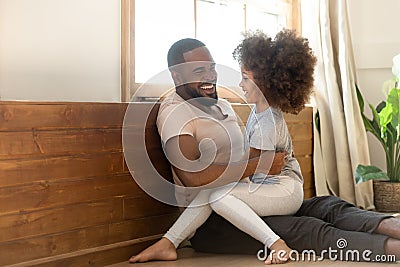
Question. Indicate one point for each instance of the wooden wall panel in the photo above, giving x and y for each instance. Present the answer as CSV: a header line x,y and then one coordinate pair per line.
x,y
300,131
24,171
84,238
66,194
60,219
101,256
306,163
18,116
302,147
145,206
309,193
37,143
49,195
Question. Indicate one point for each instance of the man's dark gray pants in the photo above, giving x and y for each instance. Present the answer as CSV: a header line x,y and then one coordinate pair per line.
x,y
318,225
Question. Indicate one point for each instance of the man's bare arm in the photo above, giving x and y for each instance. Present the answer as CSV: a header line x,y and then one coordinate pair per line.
x,y
184,148
277,164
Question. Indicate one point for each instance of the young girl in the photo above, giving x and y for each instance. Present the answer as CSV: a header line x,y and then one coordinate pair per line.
x,y
277,75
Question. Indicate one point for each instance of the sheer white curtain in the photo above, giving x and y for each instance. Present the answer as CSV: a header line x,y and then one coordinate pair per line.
x,y
340,144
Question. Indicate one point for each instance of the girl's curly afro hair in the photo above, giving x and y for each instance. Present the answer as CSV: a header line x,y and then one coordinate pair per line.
x,y
282,68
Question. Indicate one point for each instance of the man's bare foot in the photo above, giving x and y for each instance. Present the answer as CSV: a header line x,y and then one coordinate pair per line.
x,y
162,250
280,253
392,247
389,227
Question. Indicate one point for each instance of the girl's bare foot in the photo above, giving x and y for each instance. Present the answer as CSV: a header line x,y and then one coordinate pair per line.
x,y
280,253
162,250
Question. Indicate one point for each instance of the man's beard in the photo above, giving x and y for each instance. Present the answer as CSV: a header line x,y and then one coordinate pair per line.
x,y
194,95
208,101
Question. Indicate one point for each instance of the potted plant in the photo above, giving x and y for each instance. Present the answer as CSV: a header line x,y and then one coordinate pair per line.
x,y
385,126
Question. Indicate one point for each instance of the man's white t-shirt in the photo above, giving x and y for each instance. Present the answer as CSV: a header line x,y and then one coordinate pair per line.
x,y
220,141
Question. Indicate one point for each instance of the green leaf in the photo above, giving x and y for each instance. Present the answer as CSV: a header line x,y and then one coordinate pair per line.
x,y
365,173
393,100
360,99
385,127
376,120
385,117
380,106
317,122
370,126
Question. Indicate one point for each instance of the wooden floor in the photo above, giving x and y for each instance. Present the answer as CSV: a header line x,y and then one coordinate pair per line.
x,y
188,258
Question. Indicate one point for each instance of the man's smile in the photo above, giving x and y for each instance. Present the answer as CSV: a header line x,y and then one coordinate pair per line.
x,y
208,88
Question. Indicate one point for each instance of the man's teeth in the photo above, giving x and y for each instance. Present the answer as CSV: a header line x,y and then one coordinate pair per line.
x,y
207,87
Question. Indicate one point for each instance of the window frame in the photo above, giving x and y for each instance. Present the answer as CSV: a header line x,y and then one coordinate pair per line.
x,y
128,83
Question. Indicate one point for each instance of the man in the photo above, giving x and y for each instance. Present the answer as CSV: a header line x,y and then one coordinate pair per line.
x,y
320,223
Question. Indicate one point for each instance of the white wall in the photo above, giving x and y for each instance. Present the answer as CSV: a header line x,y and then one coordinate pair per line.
x,y
376,39
60,50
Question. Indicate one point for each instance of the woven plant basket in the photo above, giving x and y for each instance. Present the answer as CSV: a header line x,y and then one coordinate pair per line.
x,y
387,196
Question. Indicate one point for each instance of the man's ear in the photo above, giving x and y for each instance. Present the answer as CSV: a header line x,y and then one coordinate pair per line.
x,y
177,77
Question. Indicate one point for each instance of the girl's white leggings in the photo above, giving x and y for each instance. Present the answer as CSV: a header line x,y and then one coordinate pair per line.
x,y
242,205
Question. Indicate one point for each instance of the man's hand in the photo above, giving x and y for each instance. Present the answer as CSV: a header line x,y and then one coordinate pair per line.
x,y
278,163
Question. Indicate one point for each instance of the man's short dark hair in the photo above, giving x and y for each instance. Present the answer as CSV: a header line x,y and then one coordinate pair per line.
x,y
175,53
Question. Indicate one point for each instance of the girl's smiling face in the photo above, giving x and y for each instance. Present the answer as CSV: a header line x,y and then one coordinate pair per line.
x,y
251,91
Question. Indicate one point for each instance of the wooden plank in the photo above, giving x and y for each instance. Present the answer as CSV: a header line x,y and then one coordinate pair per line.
x,y
309,193
141,136
305,116
242,112
301,131
145,206
60,142
66,242
138,158
307,176
129,229
302,147
18,172
141,115
51,195
127,49
305,163
51,221
308,180
96,257
17,116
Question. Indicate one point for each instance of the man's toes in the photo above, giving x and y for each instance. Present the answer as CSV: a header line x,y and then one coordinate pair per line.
x,y
135,258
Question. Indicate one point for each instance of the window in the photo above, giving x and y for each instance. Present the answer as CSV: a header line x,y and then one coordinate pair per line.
x,y
157,24
156,29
